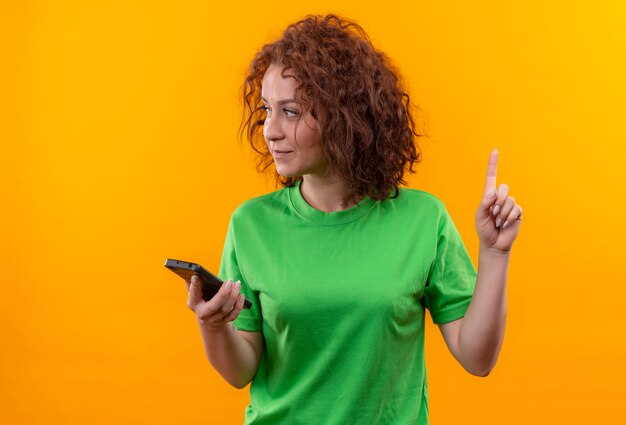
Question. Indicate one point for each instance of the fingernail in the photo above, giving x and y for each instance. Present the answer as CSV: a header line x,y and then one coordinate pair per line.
x,y
228,283
498,221
493,193
496,209
506,223
238,284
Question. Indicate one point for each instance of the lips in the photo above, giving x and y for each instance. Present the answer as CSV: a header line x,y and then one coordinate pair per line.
x,y
280,154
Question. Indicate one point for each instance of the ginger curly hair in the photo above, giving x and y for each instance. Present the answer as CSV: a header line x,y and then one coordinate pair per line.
x,y
368,128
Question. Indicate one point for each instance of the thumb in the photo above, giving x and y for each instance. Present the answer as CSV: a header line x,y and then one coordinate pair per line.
x,y
488,200
195,293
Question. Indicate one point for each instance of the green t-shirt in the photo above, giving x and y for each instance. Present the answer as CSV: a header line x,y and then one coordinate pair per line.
x,y
340,298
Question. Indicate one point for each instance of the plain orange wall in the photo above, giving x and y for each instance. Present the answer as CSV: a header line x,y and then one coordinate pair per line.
x,y
119,149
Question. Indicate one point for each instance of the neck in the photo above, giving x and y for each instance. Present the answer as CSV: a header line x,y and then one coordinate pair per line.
x,y
328,194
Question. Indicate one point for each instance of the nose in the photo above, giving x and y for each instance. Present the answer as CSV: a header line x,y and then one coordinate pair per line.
x,y
273,129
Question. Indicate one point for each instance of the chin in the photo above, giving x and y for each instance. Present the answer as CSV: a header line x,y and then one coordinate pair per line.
x,y
285,172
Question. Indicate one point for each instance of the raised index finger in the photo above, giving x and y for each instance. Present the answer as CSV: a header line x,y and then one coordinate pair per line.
x,y
492,170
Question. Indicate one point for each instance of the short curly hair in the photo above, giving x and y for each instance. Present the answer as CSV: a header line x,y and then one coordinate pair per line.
x,y
368,130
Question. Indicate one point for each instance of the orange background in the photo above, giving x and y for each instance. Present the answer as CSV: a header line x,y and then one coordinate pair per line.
x,y
119,149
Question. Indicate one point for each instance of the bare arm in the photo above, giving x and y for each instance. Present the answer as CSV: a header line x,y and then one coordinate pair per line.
x,y
234,354
476,339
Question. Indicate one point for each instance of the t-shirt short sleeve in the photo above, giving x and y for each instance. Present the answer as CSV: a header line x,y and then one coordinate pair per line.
x,y
248,319
452,276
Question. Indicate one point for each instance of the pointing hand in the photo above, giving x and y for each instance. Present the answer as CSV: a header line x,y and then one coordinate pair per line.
x,y
498,218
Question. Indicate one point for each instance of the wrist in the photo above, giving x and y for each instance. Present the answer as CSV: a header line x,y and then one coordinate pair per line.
x,y
213,328
493,252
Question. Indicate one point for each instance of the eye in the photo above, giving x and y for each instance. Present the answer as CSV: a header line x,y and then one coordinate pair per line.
x,y
292,112
264,111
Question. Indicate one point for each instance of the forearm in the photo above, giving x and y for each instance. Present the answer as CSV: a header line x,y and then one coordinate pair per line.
x,y
230,354
482,329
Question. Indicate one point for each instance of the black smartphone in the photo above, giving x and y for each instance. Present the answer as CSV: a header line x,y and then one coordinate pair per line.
x,y
210,283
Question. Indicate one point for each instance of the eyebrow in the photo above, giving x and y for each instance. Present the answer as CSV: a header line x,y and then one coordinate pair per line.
x,y
281,102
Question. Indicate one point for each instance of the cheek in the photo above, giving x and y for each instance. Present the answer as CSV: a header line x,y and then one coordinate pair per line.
x,y
265,133
308,137
313,154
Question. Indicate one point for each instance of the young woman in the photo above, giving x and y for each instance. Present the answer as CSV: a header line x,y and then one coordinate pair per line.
x,y
341,263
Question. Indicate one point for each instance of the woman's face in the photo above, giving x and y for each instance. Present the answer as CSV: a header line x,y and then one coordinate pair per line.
x,y
291,133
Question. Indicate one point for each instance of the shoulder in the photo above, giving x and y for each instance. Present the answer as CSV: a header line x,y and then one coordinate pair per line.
x,y
412,208
262,205
418,199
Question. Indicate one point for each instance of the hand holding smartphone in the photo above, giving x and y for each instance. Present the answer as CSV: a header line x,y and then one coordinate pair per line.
x,y
210,283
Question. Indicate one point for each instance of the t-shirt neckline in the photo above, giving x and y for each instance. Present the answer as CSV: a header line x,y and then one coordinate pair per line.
x,y
322,217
